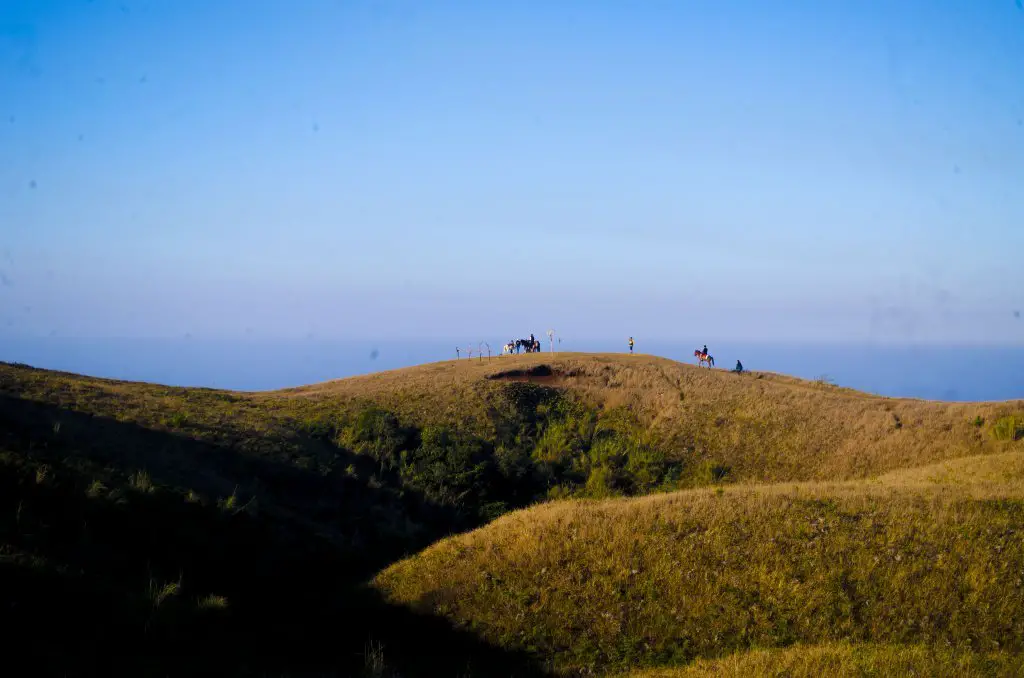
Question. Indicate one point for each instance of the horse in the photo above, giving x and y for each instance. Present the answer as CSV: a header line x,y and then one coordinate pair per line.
x,y
523,346
704,358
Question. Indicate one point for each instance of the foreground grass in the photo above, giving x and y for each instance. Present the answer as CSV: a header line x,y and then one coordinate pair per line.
x,y
841,660
671,578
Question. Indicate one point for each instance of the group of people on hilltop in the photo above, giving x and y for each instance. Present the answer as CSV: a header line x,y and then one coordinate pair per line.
x,y
704,353
531,345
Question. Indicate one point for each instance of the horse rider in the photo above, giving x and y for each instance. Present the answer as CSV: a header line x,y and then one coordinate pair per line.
x,y
705,349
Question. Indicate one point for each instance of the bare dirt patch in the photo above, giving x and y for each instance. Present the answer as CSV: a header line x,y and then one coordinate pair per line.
x,y
538,374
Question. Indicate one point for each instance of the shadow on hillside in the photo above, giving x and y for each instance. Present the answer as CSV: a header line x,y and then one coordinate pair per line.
x,y
175,572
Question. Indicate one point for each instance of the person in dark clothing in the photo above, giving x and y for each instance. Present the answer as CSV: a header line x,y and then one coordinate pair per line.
x,y
705,349
739,367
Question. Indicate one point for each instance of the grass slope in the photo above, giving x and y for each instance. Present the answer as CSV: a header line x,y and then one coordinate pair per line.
x,y
921,557
147,529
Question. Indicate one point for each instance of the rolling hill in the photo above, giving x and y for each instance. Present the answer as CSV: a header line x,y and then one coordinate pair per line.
x,y
526,515
930,558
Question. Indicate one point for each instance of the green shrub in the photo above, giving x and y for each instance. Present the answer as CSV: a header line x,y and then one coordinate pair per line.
x,y
1009,428
448,467
546,445
560,442
601,483
141,481
322,427
513,462
378,434
647,469
712,471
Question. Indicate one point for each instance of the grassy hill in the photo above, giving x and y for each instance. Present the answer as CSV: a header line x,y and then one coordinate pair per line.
x,y
670,578
147,529
720,426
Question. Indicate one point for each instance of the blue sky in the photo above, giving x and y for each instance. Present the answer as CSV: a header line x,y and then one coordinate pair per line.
x,y
754,170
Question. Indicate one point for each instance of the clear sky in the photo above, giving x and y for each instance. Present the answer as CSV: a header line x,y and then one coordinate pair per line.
x,y
751,169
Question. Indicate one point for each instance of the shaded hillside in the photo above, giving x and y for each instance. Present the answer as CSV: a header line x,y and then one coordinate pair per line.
x,y
151,530
131,551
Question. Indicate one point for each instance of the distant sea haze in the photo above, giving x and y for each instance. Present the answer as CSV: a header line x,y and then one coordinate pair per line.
x,y
924,371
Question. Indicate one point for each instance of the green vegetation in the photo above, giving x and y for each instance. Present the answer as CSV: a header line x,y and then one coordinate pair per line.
x,y
154,530
1009,428
546,442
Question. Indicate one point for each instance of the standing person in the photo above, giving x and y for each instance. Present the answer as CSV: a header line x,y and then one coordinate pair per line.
x,y
631,344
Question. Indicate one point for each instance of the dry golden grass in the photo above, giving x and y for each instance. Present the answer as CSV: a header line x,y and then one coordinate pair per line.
x,y
759,426
752,427
842,660
918,557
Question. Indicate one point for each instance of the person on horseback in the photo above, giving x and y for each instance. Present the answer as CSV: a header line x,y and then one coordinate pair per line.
x,y
705,351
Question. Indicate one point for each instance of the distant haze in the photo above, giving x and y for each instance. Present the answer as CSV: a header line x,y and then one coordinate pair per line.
x,y
410,171
917,371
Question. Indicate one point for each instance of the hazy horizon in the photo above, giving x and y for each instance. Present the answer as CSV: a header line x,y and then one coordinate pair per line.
x,y
918,371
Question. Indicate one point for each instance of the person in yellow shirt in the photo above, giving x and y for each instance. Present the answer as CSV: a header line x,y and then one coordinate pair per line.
x,y
631,344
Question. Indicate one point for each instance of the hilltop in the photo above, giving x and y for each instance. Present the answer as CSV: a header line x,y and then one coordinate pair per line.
x,y
173,528
559,425
755,426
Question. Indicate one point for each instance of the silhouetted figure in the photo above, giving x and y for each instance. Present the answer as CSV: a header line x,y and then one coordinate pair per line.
x,y
739,367
705,351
